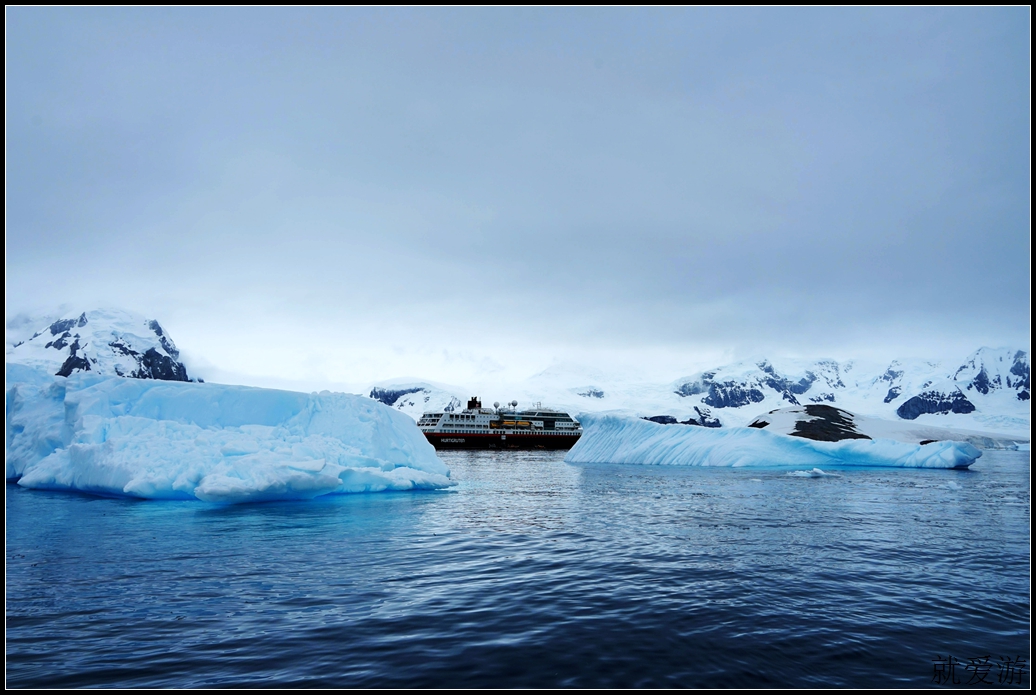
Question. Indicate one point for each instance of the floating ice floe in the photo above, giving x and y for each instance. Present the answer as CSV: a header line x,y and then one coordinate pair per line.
x,y
178,440
615,439
815,473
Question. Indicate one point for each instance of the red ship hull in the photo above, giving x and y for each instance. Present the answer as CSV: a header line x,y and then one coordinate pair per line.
x,y
492,440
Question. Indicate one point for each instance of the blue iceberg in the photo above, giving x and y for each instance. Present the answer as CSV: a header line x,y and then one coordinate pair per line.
x,y
178,440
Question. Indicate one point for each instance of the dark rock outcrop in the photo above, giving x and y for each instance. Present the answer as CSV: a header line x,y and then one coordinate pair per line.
x,y
61,342
63,326
663,419
151,364
390,396
692,388
892,375
827,424
166,342
74,362
731,394
704,419
786,387
931,402
1020,369
821,423
982,383
154,365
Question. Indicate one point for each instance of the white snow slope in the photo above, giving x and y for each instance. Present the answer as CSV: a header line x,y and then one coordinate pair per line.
x,y
415,397
179,440
614,439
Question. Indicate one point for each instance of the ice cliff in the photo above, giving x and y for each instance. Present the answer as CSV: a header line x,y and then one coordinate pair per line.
x,y
178,440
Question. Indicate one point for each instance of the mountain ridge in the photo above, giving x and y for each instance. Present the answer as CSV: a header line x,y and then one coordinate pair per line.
x,y
989,390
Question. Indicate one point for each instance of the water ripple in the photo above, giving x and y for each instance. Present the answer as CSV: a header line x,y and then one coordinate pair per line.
x,y
531,573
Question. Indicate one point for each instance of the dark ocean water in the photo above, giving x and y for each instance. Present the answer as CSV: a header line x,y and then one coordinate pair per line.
x,y
532,572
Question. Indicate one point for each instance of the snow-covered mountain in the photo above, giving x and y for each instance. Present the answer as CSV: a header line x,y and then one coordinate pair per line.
x,y
988,377
415,397
991,382
986,392
106,342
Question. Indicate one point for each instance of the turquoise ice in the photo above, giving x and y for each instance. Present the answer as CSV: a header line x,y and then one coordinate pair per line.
x,y
174,440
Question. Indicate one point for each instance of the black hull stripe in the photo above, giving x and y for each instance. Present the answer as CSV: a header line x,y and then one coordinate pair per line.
x,y
442,440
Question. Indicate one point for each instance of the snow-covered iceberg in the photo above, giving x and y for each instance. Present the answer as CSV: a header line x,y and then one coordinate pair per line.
x,y
179,440
614,439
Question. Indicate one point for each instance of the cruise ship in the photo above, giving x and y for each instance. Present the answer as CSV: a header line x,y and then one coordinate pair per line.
x,y
476,427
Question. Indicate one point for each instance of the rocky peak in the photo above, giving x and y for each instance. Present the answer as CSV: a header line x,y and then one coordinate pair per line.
x,y
106,342
988,371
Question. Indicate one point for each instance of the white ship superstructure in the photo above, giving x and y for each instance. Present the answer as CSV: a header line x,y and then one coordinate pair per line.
x,y
498,427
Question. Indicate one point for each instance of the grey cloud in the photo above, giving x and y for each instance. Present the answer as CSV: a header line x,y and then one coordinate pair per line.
x,y
689,177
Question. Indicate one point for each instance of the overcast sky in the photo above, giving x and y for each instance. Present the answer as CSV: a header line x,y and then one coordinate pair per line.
x,y
346,195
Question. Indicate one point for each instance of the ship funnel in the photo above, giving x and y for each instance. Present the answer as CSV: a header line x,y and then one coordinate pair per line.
x,y
474,403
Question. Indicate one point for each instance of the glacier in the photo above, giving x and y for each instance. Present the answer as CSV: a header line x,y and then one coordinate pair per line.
x,y
620,439
217,443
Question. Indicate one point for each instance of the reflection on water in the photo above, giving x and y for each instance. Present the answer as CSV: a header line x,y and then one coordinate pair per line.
x,y
531,572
